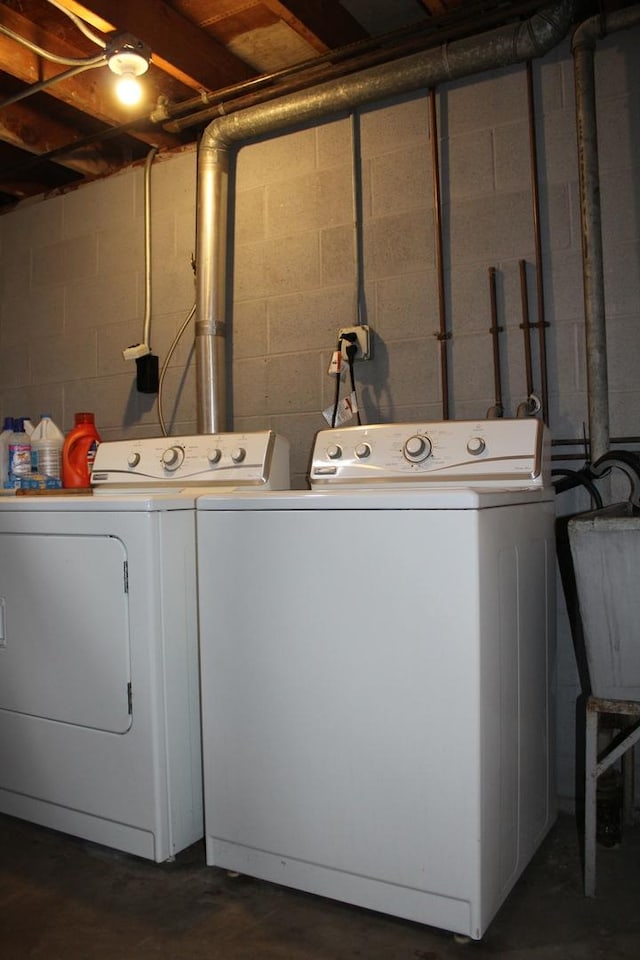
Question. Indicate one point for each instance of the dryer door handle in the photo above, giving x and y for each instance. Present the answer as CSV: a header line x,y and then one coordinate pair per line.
x,y
3,633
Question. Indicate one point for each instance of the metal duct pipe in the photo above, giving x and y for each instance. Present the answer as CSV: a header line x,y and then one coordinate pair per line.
x,y
357,56
583,47
514,43
211,269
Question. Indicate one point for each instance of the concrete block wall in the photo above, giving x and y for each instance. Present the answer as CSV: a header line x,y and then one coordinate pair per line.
x,y
295,258
72,285
72,275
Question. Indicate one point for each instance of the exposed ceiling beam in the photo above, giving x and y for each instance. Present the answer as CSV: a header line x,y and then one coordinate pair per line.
x,y
178,46
21,189
436,7
89,92
324,24
26,128
12,182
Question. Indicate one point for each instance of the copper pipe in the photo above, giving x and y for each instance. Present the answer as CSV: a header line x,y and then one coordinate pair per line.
x,y
526,327
535,200
530,406
443,335
498,409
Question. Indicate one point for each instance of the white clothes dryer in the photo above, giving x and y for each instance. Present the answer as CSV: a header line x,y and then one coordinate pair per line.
x,y
99,682
376,662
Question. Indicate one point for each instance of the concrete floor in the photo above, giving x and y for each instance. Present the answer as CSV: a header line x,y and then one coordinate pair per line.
x,y
65,899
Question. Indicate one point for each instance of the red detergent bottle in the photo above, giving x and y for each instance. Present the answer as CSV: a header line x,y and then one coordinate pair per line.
x,y
79,451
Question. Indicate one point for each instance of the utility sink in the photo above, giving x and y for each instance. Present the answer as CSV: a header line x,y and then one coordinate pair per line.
x,y
605,546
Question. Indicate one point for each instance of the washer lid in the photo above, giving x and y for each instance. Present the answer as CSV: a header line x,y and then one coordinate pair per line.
x,y
395,498
110,501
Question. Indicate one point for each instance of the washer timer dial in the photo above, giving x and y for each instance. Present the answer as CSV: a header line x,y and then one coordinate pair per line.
x,y
417,448
172,457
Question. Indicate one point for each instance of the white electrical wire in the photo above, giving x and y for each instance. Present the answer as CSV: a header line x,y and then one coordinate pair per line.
x,y
80,24
165,365
53,57
56,57
146,330
45,84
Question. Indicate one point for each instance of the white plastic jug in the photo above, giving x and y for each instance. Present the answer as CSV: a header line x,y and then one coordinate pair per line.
x,y
19,448
7,430
47,441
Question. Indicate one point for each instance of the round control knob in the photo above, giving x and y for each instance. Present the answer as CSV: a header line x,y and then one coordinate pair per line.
x,y
362,451
334,452
238,454
475,446
417,448
213,456
172,458
133,459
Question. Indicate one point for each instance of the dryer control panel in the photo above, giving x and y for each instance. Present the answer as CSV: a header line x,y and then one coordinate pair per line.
x,y
259,459
506,453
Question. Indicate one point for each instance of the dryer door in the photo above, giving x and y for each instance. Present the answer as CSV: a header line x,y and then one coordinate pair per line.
x,y
64,637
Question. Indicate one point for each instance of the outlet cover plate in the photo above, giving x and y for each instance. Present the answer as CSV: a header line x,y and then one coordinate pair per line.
x,y
364,341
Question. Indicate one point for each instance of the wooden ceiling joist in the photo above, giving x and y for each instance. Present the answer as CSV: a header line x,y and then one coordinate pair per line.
x,y
435,7
27,129
89,92
178,46
324,24
75,129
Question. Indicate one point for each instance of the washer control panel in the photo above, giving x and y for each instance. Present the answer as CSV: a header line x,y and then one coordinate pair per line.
x,y
497,453
230,459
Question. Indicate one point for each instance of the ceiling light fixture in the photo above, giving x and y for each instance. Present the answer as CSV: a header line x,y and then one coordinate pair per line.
x,y
128,58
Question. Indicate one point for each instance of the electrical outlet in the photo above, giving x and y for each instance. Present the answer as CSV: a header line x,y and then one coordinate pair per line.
x,y
362,334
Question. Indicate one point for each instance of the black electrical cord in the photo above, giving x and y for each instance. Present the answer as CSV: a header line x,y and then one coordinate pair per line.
x,y
351,351
570,479
337,394
619,458
626,460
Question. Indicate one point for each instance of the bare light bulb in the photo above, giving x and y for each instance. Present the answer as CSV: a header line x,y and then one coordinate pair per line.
x,y
128,58
128,89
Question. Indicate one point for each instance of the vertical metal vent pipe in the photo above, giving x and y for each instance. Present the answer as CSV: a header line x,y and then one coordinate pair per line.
x,y
583,45
501,47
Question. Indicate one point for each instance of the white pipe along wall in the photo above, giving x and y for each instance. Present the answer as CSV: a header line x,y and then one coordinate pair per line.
x,y
583,46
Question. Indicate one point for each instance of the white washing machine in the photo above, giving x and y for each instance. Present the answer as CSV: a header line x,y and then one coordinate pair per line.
x,y
99,683
376,670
